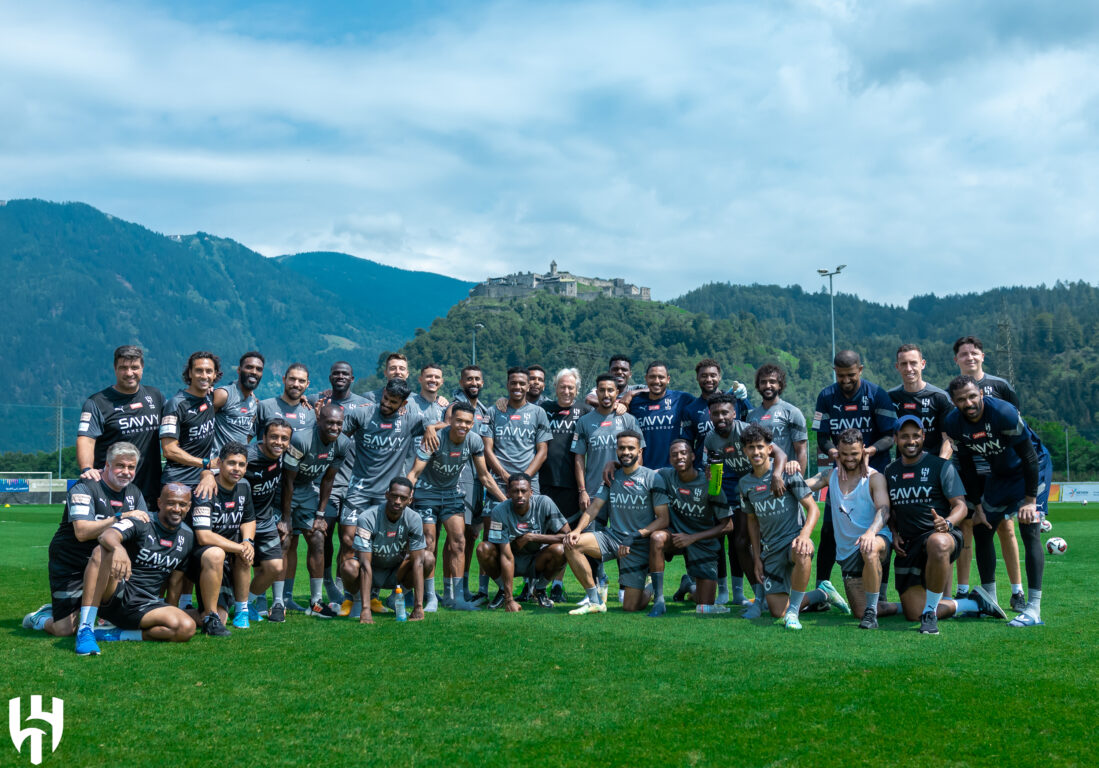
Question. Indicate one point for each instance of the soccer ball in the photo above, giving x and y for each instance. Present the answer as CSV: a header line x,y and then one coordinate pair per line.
x,y
1084,502
1056,546
1046,525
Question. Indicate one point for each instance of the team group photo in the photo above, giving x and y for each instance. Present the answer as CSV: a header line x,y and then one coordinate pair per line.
x,y
568,384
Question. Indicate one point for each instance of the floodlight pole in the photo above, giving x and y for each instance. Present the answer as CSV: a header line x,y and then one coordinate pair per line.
x,y
832,300
1068,467
475,327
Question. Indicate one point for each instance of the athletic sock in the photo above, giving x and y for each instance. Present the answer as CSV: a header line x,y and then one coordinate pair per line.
x,y
88,612
253,597
723,590
288,590
241,606
965,606
795,602
738,590
658,586
1034,603
990,588
601,575
185,602
963,589
133,635
465,585
277,590
1016,589
429,587
593,595
498,581
316,586
757,590
558,583
482,583
872,601
815,596
932,602
450,584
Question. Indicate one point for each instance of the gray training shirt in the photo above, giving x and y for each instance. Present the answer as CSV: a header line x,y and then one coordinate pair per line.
x,y
382,443
543,517
516,434
439,480
388,542
628,505
595,439
786,422
780,520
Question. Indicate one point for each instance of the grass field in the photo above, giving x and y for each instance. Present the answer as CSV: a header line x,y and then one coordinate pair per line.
x,y
547,689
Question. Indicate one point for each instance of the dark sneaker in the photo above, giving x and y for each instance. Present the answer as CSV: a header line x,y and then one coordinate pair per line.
x,y
277,613
499,600
869,619
929,624
1018,602
961,595
527,595
541,600
213,626
478,599
321,611
986,604
558,594
684,589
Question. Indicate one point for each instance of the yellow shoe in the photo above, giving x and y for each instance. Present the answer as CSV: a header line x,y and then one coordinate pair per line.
x,y
345,608
376,606
589,608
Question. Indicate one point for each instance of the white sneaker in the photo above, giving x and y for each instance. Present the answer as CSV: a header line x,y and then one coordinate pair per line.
x,y
589,608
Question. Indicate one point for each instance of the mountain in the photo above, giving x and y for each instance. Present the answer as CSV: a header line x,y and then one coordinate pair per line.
x,y
388,292
86,282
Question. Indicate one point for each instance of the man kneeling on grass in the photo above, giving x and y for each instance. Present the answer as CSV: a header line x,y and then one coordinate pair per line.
x,y
525,536
780,528
137,560
632,516
390,549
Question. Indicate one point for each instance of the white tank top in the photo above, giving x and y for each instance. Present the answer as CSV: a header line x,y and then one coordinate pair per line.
x,y
852,514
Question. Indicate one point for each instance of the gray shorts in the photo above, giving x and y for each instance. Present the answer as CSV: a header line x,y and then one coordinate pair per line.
x,y
634,567
354,504
302,516
437,512
777,568
335,503
851,566
702,559
384,578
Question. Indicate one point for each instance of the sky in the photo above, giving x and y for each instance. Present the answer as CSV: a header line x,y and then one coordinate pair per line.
x,y
931,147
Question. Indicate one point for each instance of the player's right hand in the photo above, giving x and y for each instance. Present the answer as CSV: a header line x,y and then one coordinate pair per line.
x,y
90,474
759,570
572,538
512,606
120,565
623,550
584,501
898,544
320,525
247,554
137,514
620,409
366,618
940,524
979,517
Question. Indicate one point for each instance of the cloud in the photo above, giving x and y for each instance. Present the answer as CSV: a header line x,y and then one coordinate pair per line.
x,y
932,146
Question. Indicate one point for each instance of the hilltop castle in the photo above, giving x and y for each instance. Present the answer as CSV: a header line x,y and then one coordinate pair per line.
x,y
520,284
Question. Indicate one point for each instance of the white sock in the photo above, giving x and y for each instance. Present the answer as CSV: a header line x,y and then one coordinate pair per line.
x,y
253,597
932,603
872,601
964,606
429,587
316,587
242,606
185,602
1016,589
1034,602
277,590
963,589
87,615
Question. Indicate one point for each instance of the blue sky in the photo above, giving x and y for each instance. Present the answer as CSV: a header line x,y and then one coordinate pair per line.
x,y
930,146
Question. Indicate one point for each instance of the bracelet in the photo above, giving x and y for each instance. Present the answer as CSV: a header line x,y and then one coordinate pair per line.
x,y
206,463
250,541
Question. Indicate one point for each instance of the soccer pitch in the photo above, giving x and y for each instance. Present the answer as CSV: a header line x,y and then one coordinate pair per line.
x,y
543,688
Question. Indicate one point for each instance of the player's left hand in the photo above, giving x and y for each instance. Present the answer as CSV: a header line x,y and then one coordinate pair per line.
x,y
623,550
366,617
802,545
206,488
120,564
620,409
320,525
739,391
501,404
864,468
866,543
417,614
512,606
430,440
608,473
940,524
792,467
90,474
442,401
136,514
681,540
1028,513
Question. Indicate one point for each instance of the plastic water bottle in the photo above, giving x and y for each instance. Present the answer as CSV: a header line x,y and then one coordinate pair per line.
x,y
717,473
398,602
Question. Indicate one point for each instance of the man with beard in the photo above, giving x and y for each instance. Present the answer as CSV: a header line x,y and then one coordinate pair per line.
x,y
227,520
970,357
91,507
471,383
236,405
594,447
850,403
187,422
661,413
698,519
724,447
312,455
927,501
440,501
525,536
785,421
1017,483
127,411
289,406
632,513
698,425
621,368
383,434
340,377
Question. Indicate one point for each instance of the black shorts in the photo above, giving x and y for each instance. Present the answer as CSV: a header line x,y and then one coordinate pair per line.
x,y
66,590
128,606
268,546
567,501
909,569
